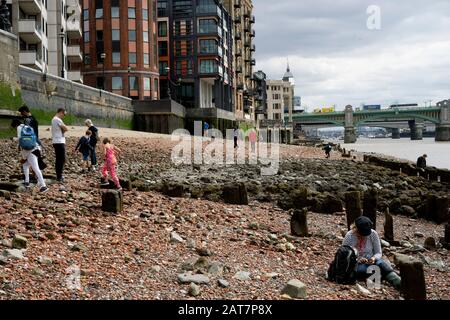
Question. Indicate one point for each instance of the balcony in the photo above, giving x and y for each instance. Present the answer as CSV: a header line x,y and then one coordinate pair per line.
x,y
73,30
32,7
238,70
238,19
252,34
247,27
240,87
253,48
237,3
246,14
30,31
30,59
253,62
74,75
252,20
238,36
209,10
74,54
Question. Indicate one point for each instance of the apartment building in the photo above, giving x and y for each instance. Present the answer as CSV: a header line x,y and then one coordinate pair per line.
x,y
243,20
120,47
196,58
280,97
260,96
49,33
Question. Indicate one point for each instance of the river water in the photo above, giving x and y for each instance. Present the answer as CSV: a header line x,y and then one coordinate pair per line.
x,y
438,152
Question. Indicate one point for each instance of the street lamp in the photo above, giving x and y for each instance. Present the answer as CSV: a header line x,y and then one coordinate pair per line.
x,y
168,85
103,56
62,35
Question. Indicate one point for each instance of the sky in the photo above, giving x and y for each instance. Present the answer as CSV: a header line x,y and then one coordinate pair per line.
x,y
343,52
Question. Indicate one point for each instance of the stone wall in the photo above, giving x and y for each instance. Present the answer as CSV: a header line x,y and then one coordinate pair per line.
x,y
49,93
9,60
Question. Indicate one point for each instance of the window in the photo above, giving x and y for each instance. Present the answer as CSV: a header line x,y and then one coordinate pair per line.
x,y
147,84
99,13
208,46
132,57
100,83
86,37
117,83
145,36
116,35
207,26
162,8
133,83
115,12
85,14
162,29
163,50
155,87
146,59
87,59
131,35
208,66
116,57
132,13
99,35
145,14
162,68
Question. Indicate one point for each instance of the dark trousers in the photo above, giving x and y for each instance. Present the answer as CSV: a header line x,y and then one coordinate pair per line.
x,y
235,142
93,155
60,159
384,266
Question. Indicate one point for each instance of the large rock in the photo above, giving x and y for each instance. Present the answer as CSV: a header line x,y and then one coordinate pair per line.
x,y
9,186
413,284
352,206
370,205
242,276
430,243
332,204
175,238
299,223
112,201
5,194
13,253
19,242
194,290
174,190
235,194
195,278
295,289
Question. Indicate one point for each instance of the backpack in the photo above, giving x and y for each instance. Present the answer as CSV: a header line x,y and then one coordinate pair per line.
x,y
27,140
343,268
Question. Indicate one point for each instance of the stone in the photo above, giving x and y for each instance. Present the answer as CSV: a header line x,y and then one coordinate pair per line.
x,y
419,235
112,201
6,243
13,253
190,243
235,194
290,246
439,265
430,243
173,190
201,263
413,285
332,204
295,289
194,290
5,194
79,247
9,186
384,243
175,238
45,261
223,283
388,226
19,242
352,206
363,290
3,261
271,275
407,211
204,252
370,205
155,269
299,223
215,269
188,277
242,276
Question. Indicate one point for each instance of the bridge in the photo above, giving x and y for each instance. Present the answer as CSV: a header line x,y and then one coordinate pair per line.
x,y
415,118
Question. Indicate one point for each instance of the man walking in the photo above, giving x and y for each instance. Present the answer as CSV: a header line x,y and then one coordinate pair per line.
x,y
30,120
59,143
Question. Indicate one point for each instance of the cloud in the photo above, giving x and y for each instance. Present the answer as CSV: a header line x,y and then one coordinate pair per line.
x,y
336,59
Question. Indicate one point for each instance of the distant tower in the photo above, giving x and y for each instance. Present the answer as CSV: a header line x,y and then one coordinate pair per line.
x,y
288,76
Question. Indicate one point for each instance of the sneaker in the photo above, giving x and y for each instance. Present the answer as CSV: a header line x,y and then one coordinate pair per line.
x,y
26,184
119,189
61,180
104,183
43,189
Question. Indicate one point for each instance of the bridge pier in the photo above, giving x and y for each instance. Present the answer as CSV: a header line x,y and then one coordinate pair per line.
x,y
349,135
442,132
416,130
395,133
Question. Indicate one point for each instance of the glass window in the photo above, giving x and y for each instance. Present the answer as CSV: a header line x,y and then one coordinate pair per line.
x,y
132,57
155,87
117,83
144,14
146,58
99,35
132,13
85,14
208,46
116,35
87,59
145,36
208,66
115,12
207,26
99,13
162,8
162,68
147,84
162,46
131,35
116,57
86,37
133,83
162,29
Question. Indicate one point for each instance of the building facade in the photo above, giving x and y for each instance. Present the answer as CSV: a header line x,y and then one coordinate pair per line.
x,y
280,97
120,47
260,96
197,59
49,35
243,20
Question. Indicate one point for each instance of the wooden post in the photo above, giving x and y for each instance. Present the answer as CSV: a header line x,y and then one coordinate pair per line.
x,y
299,223
388,226
352,207
370,206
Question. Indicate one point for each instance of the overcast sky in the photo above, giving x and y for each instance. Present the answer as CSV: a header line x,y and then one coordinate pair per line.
x,y
337,59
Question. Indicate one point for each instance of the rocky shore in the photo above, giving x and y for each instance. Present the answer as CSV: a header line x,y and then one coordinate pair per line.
x,y
183,233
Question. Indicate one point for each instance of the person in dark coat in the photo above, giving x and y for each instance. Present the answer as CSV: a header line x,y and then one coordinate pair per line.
x,y
422,161
93,142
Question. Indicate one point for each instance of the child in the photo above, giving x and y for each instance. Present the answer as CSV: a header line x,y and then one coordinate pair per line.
x,y
110,163
85,148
